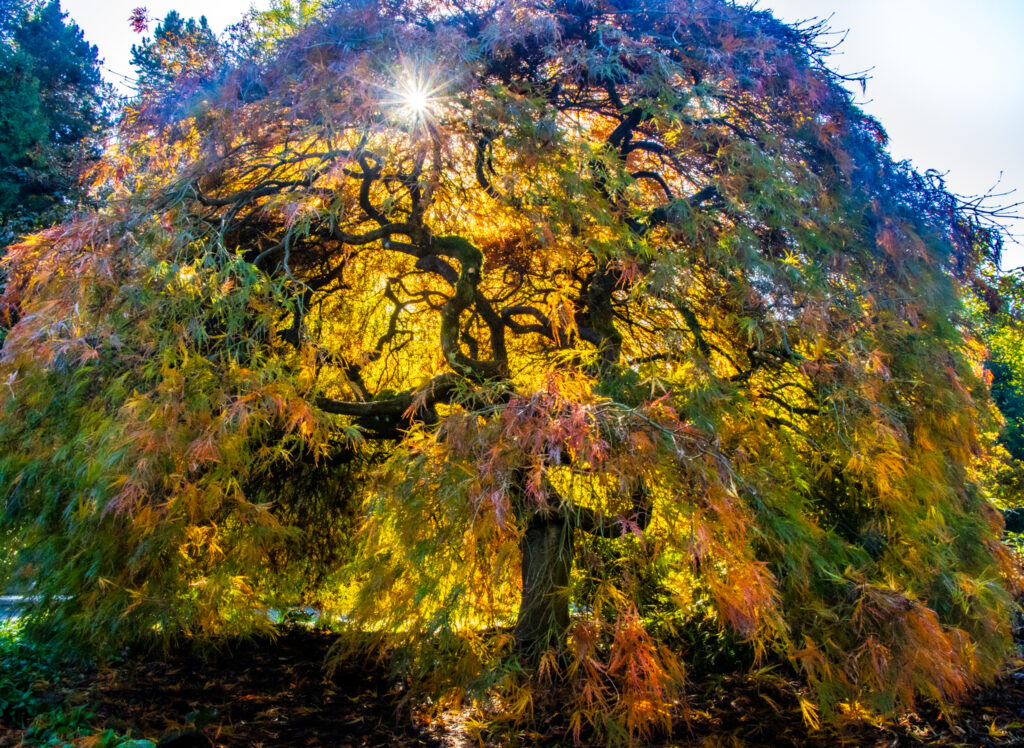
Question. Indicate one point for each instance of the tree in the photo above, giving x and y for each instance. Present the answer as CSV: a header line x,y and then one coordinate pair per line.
x,y
174,67
1003,334
1007,360
613,319
52,112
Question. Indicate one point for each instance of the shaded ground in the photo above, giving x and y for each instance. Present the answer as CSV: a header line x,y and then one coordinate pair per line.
x,y
276,694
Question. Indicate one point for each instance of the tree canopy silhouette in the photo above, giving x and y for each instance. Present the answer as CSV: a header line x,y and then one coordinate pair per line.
x,y
601,320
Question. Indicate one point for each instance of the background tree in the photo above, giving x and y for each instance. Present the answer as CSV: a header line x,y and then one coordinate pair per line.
x,y
52,113
615,320
1004,335
261,31
181,60
1007,361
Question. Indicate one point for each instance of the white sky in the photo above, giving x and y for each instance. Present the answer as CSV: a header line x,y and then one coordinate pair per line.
x,y
947,76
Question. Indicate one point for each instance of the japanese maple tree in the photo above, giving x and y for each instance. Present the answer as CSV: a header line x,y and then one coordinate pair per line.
x,y
599,321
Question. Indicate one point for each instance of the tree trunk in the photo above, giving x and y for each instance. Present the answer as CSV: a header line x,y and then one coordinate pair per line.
x,y
544,608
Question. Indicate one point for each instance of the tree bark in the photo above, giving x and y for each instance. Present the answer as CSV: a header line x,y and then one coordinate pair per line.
x,y
544,608
547,547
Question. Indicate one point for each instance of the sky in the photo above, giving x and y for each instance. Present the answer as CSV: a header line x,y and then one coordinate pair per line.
x,y
946,76
946,82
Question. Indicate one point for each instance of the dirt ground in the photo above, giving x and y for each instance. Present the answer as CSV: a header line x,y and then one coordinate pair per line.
x,y
264,693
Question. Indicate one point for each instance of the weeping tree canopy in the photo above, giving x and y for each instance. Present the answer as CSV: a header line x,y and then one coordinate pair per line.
x,y
529,337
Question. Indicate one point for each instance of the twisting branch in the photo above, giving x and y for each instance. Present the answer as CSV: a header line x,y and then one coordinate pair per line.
x,y
481,160
467,295
369,175
646,174
386,418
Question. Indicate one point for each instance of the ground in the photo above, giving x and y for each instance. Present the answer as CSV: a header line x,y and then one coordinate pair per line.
x,y
277,693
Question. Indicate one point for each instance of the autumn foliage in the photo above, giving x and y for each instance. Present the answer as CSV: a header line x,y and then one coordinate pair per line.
x,y
526,339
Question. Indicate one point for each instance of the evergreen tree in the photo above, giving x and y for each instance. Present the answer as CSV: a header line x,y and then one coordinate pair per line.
x,y
52,112
181,59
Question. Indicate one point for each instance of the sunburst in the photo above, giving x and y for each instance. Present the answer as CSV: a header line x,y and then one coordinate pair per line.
x,y
418,94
